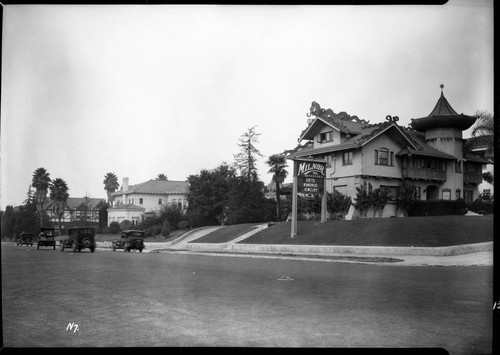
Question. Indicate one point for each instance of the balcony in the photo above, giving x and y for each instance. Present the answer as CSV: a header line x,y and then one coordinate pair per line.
x,y
473,178
424,174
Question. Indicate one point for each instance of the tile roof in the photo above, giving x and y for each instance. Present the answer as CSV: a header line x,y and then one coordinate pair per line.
x,y
156,187
127,207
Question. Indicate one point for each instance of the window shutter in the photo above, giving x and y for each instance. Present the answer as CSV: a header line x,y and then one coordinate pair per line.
x,y
376,156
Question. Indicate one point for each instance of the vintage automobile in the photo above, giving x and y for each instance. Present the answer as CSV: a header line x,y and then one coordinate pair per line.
x,y
130,239
25,238
79,238
46,238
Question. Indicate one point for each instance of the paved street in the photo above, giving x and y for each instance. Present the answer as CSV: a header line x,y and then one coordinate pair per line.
x,y
155,299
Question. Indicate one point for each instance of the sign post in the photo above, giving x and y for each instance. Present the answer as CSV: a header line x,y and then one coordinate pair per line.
x,y
308,178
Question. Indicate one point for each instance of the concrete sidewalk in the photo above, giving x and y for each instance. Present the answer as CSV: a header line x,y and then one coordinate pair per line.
x,y
480,254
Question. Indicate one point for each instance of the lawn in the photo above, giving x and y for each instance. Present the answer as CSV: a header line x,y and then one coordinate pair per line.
x,y
227,233
410,231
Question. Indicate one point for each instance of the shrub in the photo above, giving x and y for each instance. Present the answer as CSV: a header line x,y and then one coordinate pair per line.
x,y
172,214
480,206
114,228
153,230
183,224
126,224
438,207
338,202
165,228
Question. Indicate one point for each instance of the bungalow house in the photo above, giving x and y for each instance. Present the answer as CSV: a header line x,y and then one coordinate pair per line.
x,y
429,153
137,202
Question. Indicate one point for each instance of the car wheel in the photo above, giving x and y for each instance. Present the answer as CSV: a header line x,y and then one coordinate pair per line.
x,y
140,250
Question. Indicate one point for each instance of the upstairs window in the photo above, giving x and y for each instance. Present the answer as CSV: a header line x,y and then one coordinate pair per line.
x,y
159,201
141,201
325,137
458,166
347,158
384,157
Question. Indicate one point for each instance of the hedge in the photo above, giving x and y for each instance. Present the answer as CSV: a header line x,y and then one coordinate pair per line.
x,y
438,208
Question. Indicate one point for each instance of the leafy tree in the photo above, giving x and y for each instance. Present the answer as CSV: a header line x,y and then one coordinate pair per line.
x,y
59,195
208,195
363,199
245,160
405,196
379,198
277,162
172,214
246,202
41,182
488,177
8,223
110,184
162,177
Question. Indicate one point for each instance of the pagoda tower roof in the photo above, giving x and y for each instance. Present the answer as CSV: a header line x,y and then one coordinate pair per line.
x,y
443,116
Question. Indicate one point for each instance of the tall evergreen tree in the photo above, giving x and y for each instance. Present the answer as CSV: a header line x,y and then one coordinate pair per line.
x,y
246,159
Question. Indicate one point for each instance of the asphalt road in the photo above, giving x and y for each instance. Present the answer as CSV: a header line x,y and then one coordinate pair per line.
x,y
112,299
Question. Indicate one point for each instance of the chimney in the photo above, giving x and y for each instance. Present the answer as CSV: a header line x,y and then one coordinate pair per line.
x,y
125,189
125,184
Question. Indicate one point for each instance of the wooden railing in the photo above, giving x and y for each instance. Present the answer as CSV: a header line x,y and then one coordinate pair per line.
x,y
473,178
424,173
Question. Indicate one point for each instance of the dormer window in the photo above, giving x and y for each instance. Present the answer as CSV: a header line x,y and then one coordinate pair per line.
x,y
325,137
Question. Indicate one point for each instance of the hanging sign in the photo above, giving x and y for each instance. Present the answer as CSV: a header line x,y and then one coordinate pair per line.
x,y
310,176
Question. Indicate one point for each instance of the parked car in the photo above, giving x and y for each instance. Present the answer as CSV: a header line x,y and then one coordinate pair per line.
x,y
79,238
130,239
46,238
25,238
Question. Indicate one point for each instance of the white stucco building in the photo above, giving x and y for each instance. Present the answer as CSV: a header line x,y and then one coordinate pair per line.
x,y
136,202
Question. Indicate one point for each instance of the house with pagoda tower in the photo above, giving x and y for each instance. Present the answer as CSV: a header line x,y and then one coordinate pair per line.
x,y
429,153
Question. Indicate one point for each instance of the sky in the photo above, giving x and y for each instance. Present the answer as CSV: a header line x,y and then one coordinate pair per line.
x,y
140,90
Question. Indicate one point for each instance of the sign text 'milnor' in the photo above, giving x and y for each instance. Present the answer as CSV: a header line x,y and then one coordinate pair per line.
x,y
308,168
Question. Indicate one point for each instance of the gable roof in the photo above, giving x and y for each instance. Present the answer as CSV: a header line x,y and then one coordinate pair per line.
x,y
156,187
357,133
74,203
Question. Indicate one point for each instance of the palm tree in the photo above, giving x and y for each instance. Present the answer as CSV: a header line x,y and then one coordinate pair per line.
x,y
277,162
41,182
162,177
59,195
484,127
110,184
